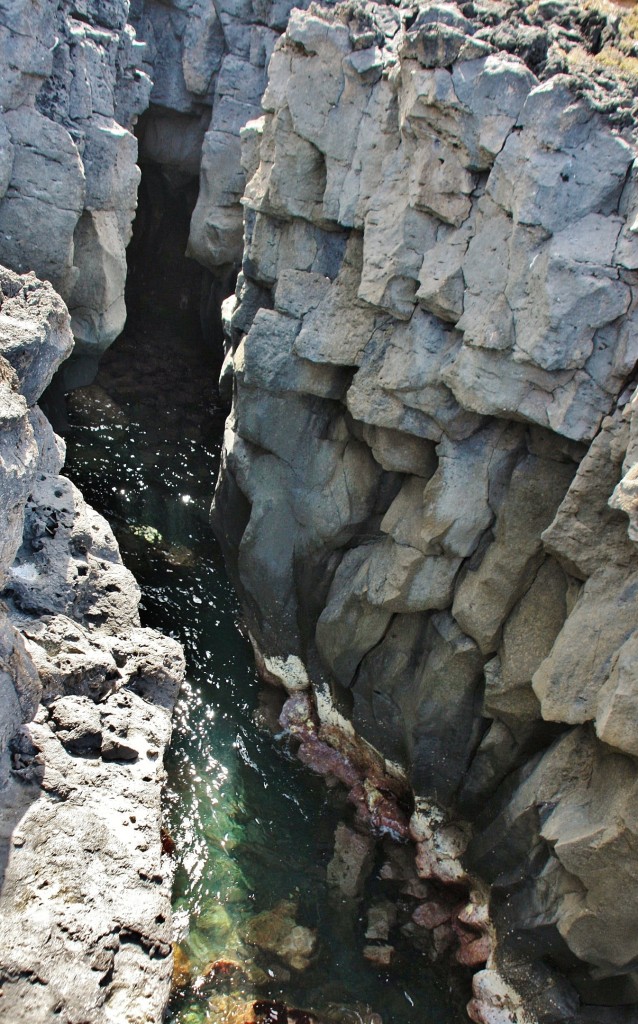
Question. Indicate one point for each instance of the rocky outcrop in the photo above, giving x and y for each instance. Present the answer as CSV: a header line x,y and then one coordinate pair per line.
x,y
428,471
85,717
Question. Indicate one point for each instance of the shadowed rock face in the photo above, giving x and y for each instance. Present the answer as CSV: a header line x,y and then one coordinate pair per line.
x,y
432,349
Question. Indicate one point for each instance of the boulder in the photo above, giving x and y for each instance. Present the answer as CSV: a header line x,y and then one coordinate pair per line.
x,y
276,931
351,862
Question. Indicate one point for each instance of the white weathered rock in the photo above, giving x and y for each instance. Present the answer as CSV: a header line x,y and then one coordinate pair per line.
x,y
86,887
69,562
71,158
34,331
46,187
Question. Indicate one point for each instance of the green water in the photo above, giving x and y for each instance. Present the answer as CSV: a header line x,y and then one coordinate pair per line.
x,y
250,825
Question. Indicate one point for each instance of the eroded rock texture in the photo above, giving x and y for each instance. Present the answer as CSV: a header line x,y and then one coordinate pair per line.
x,y
428,494
71,92
86,697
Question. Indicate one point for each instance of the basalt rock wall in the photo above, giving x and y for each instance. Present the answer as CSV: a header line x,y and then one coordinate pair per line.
x,y
427,498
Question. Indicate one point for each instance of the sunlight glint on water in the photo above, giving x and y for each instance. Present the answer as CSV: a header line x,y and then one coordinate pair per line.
x,y
250,826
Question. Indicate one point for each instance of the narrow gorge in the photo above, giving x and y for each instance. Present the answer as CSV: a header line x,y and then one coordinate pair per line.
x,y
403,236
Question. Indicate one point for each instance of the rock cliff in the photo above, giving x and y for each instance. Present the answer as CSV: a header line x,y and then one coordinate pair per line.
x,y
86,693
70,95
86,709
427,497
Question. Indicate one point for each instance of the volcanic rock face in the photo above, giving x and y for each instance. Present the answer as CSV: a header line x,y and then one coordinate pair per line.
x,y
85,715
430,462
69,98
208,65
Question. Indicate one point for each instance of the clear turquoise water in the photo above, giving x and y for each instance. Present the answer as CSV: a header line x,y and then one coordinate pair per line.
x,y
250,825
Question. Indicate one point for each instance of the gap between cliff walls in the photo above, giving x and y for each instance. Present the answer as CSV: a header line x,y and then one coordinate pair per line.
x,y
158,268
163,286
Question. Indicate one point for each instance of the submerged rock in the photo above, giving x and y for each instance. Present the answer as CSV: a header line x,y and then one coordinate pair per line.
x,y
276,931
351,862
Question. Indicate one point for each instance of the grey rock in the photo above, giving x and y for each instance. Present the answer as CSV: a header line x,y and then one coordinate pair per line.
x,y
20,687
570,679
470,474
441,278
399,384
447,690
349,626
35,334
423,212
69,561
20,455
47,186
299,292
401,453
27,38
558,180
488,383
586,534
88,813
203,48
322,337
485,597
475,106
266,359
528,637
51,447
351,862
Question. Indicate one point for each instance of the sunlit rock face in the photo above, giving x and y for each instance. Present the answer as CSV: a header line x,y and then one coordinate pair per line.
x,y
428,488
70,97
86,697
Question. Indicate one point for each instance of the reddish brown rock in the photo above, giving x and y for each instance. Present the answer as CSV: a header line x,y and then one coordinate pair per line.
x,y
385,814
298,716
381,956
433,913
327,761
473,950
